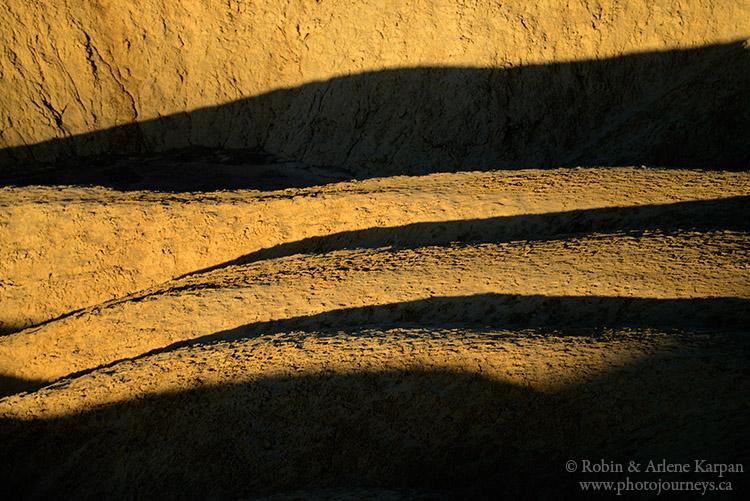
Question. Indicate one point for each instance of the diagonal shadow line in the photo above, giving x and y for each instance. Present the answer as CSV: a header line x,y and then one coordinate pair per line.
x,y
10,385
681,108
513,311
461,432
703,215
567,315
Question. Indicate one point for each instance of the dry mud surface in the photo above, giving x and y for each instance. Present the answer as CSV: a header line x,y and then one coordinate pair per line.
x,y
372,249
443,336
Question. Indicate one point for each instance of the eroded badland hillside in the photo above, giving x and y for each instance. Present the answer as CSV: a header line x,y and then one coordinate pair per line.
x,y
374,250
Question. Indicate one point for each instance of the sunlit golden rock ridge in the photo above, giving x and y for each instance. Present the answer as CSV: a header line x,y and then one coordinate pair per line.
x,y
341,249
71,68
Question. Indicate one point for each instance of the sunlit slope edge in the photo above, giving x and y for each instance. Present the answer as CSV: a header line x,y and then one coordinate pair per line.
x,y
683,108
470,412
108,64
68,248
685,279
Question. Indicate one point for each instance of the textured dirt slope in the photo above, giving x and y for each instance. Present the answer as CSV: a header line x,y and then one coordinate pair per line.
x,y
168,330
468,334
71,68
471,412
649,266
66,249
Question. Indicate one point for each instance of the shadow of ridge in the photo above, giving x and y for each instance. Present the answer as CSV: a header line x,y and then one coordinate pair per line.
x,y
571,314
10,385
566,315
181,170
681,108
703,215
587,316
10,326
459,432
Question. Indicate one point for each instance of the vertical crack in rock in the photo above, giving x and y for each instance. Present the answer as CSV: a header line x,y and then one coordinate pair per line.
x,y
90,57
56,115
95,60
125,113
335,83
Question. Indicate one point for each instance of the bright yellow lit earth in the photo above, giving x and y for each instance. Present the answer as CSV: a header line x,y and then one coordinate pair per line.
x,y
359,320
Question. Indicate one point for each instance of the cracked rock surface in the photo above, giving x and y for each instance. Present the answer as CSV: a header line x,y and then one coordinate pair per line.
x,y
447,336
375,87
263,249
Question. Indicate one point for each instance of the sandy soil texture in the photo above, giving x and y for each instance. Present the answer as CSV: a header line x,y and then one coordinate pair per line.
x,y
70,248
344,250
450,335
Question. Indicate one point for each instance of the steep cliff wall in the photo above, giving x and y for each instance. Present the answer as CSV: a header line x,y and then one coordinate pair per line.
x,y
490,84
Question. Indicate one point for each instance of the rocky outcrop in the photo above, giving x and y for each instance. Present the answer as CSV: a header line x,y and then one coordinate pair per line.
x,y
378,86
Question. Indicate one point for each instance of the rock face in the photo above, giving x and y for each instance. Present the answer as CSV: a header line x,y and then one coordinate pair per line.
x,y
379,87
